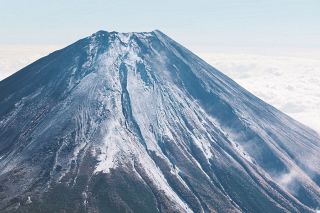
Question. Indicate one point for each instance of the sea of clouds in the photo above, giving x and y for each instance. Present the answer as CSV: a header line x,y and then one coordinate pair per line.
x,y
15,57
290,83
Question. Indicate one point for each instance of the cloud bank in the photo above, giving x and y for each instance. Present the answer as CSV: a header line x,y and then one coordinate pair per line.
x,y
291,84
15,57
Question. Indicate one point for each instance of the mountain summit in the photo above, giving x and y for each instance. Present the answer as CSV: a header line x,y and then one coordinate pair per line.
x,y
134,122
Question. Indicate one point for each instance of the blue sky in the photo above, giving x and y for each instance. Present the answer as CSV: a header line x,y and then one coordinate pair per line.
x,y
201,24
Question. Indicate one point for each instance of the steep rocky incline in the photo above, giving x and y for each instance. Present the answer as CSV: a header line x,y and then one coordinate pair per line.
x,y
134,122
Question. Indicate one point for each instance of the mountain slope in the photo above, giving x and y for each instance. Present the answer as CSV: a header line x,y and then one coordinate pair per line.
x,y
134,122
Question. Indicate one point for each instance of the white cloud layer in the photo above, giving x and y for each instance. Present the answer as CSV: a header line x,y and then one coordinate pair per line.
x,y
14,57
292,84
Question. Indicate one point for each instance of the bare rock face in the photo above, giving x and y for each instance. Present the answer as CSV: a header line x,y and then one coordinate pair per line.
x,y
134,122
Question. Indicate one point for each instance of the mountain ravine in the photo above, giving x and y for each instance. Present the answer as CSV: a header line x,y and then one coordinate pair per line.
x,y
135,122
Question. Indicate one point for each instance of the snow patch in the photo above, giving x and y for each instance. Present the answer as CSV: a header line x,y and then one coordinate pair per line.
x,y
107,157
285,179
29,201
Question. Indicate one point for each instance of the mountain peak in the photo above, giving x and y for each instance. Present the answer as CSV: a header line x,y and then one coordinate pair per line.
x,y
103,38
106,33
134,122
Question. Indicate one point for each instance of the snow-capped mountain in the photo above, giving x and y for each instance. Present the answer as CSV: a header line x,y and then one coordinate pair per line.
x,y
134,122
